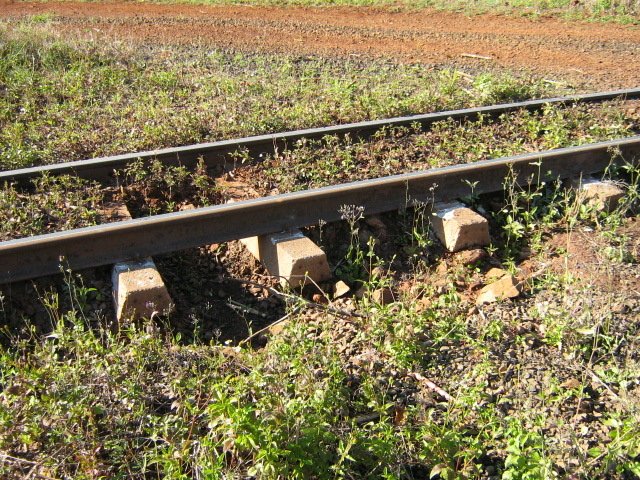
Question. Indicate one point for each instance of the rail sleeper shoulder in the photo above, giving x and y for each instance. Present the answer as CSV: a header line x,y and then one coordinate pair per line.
x,y
458,227
602,195
138,289
291,256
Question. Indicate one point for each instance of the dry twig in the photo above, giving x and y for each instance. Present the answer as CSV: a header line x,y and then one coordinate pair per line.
x,y
296,298
473,55
10,459
433,386
280,320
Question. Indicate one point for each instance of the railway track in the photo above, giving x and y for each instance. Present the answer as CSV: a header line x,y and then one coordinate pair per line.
x,y
219,154
42,255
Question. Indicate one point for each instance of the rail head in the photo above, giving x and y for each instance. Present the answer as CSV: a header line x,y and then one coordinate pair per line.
x,y
138,238
217,154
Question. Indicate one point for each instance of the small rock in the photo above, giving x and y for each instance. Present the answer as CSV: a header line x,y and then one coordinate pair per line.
x,y
458,227
601,195
383,296
319,298
470,257
495,274
571,384
506,287
340,289
375,223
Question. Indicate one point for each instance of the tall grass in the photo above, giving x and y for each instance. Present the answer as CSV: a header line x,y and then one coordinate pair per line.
x,y
70,99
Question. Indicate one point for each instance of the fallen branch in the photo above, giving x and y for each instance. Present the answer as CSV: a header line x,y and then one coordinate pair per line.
x,y
280,320
296,298
473,55
433,387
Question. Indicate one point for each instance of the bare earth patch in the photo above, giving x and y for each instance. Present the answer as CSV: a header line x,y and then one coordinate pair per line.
x,y
586,54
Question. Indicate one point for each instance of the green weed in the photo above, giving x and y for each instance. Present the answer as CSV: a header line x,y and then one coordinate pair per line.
x,y
153,188
56,203
623,452
73,99
332,160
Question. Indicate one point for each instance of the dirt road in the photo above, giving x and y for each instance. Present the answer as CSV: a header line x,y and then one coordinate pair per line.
x,y
589,55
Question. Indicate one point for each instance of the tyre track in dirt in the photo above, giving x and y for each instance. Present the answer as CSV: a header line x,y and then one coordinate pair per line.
x,y
590,56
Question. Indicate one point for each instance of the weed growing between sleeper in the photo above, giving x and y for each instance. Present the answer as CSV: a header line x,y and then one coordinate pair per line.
x,y
539,387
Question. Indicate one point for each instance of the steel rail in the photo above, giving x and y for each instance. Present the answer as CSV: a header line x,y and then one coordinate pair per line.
x,y
217,154
37,256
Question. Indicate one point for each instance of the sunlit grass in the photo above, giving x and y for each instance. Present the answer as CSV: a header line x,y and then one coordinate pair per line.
x,y
67,100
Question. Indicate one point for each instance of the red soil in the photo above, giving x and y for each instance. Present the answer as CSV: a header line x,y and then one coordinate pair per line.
x,y
586,54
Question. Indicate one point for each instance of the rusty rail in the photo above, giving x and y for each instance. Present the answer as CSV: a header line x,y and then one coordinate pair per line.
x,y
218,154
132,239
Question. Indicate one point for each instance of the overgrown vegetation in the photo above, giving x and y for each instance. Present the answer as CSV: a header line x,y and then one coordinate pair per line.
x,y
426,384
330,160
545,387
157,188
54,204
65,100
